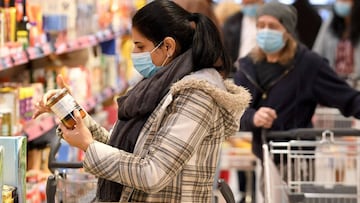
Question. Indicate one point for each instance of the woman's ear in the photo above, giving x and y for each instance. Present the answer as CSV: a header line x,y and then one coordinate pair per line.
x,y
170,46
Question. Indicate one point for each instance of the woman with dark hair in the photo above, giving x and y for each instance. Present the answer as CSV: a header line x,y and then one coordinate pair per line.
x,y
165,145
339,39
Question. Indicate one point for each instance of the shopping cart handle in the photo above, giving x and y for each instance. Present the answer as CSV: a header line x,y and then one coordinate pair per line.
x,y
303,133
65,165
53,164
296,197
51,189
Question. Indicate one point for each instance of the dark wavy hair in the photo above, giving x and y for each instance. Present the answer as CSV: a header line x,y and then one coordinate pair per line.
x,y
338,24
164,18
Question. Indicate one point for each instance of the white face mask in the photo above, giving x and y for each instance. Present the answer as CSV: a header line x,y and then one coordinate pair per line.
x,y
270,41
143,62
343,9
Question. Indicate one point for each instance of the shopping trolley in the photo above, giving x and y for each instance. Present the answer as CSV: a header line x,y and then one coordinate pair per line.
x,y
325,169
68,183
74,186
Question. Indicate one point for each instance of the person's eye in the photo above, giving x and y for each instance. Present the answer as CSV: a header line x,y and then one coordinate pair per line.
x,y
260,26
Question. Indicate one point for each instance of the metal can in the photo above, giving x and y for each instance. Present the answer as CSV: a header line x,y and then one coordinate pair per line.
x,y
6,125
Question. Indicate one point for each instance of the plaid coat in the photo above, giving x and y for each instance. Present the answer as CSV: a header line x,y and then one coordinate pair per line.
x,y
176,154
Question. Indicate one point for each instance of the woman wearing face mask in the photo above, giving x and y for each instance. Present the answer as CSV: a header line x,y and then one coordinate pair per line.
x,y
286,80
165,144
339,39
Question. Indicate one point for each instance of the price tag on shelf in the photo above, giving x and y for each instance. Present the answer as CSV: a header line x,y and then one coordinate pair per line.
x,y
34,52
107,93
61,48
84,42
108,34
36,128
7,62
100,36
47,48
99,98
19,58
90,104
92,40
47,123
2,64
73,45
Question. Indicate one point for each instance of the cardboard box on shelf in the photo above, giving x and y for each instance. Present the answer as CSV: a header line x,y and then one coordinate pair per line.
x,y
1,170
14,167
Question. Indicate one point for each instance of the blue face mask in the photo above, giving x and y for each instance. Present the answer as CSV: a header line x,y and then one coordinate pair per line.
x,y
342,9
143,63
250,9
270,41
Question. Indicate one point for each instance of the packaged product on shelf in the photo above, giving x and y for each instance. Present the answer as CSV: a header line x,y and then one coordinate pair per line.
x,y
9,194
95,70
60,18
79,81
25,103
104,16
2,35
50,74
9,23
9,103
86,15
1,170
35,15
14,168
111,72
6,126
22,24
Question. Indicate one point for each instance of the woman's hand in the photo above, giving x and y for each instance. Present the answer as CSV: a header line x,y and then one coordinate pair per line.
x,y
264,117
80,136
40,106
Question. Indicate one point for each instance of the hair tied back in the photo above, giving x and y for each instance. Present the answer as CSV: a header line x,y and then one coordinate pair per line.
x,y
194,17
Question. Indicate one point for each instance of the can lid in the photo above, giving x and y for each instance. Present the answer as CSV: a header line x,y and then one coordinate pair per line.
x,y
56,95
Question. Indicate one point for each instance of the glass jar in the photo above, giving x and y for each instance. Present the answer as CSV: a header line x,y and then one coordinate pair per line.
x,y
63,105
6,125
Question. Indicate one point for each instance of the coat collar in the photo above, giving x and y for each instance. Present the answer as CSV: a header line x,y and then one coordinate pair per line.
x,y
235,99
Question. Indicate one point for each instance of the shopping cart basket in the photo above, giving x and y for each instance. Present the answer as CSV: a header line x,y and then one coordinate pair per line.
x,y
74,186
68,184
326,169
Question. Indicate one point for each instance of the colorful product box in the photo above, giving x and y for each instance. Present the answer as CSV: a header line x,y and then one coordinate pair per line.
x,y
14,164
1,170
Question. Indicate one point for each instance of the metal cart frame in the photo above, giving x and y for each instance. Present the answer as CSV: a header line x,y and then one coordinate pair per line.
x,y
325,169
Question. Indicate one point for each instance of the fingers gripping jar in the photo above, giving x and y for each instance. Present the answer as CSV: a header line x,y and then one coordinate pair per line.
x,y
63,105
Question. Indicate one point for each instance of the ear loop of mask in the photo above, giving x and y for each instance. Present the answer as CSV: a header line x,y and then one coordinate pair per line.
x,y
167,56
157,46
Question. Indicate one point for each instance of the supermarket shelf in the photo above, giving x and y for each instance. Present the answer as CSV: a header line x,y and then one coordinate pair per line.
x,y
32,53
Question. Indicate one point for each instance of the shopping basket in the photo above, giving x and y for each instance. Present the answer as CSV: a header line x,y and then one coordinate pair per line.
x,y
326,169
68,185
68,182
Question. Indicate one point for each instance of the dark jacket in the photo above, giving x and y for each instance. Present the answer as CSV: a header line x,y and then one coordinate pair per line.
x,y
297,94
309,22
231,34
